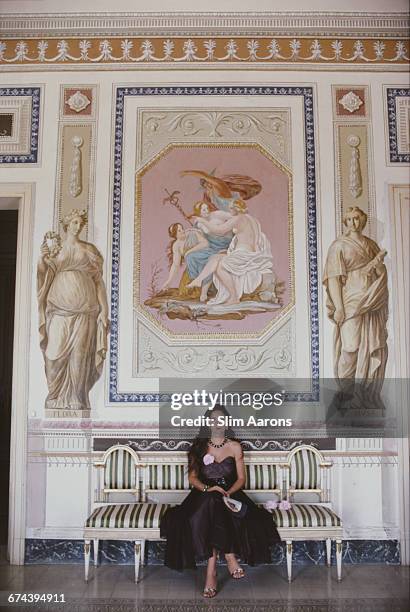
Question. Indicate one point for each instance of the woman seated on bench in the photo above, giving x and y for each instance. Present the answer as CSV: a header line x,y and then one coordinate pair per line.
x,y
203,526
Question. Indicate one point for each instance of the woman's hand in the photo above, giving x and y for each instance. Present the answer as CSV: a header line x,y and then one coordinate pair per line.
x,y
44,252
218,490
339,316
103,318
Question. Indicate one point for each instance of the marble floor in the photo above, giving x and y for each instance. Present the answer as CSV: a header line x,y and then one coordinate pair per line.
x,y
366,587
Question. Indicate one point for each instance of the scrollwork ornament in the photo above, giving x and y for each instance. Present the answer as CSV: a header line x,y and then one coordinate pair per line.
x,y
76,179
191,361
355,173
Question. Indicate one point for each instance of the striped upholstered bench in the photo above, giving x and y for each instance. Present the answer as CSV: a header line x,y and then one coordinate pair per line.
x,y
152,487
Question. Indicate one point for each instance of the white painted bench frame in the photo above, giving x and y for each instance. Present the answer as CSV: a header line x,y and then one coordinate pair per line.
x,y
139,536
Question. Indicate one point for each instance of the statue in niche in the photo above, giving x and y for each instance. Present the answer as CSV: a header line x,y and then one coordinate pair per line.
x,y
355,278
73,314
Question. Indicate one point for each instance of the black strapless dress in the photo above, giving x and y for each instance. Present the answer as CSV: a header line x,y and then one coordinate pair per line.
x,y
202,522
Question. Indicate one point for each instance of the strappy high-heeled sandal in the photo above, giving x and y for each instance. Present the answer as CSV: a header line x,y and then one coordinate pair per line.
x,y
209,592
238,573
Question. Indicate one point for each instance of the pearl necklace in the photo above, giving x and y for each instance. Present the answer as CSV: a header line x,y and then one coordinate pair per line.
x,y
218,445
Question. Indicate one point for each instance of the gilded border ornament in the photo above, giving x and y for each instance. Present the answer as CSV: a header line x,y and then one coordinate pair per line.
x,y
205,50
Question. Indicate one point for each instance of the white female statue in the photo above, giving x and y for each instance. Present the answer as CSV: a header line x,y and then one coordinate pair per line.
x,y
73,315
355,278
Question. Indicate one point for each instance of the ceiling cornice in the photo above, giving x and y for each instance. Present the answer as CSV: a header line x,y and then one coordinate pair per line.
x,y
215,24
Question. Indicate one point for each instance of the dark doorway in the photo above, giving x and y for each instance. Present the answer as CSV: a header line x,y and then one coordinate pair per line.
x,y
8,251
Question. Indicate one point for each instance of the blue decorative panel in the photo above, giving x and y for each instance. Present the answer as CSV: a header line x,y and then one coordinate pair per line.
x,y
31,157
304,553
124,93
393,93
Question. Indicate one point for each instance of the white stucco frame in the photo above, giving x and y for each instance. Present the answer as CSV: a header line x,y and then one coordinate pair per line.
x,y
399,195
24,192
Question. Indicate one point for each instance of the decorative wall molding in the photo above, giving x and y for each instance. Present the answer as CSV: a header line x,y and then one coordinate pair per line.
x,y
76,153
354,181
75,186
78,101
122,93
399,203
350,23
75,176
64,461
269,128
398,113
21,345
350,102
46,52
20,144
355,172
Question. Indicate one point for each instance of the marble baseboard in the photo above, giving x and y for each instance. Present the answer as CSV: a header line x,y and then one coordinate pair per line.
x,y
304,553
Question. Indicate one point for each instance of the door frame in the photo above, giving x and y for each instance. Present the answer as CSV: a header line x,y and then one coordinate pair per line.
x,y
398,204
24,192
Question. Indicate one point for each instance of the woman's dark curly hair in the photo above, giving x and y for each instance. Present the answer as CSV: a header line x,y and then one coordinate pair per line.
x,y
200,444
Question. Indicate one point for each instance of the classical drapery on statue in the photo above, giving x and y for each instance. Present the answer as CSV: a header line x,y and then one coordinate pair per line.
x,y
73,316
355,278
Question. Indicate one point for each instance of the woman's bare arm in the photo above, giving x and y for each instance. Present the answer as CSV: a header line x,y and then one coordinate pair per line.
x,y
102,300
335,290
240,469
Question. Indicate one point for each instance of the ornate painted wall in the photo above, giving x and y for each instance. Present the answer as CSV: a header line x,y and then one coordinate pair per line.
x,y
132,132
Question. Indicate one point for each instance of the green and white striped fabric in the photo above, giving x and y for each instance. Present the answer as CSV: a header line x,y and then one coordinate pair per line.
x,y
261,477
175,477
306,515
304,472
127,516
119,472
168,477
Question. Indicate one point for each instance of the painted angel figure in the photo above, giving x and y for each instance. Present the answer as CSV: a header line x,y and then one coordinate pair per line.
x,y
221,191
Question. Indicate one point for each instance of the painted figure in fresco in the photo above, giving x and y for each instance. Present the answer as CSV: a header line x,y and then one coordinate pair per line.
x,y
195,246
73,316
225,254
355,278
184,242
248,258
216,244
222,191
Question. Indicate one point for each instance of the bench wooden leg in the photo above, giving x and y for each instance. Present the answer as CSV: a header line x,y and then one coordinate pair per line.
x,y
329,551
87,550
339,559
289,559
143,552
95,545
137,554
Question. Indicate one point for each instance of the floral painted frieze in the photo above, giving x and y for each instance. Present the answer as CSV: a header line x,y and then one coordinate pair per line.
x,y
203,50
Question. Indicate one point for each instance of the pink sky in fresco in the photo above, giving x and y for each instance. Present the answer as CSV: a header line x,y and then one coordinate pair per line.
x,y
270,207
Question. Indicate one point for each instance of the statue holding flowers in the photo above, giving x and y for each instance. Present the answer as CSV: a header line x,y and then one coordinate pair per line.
x,y
73,315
